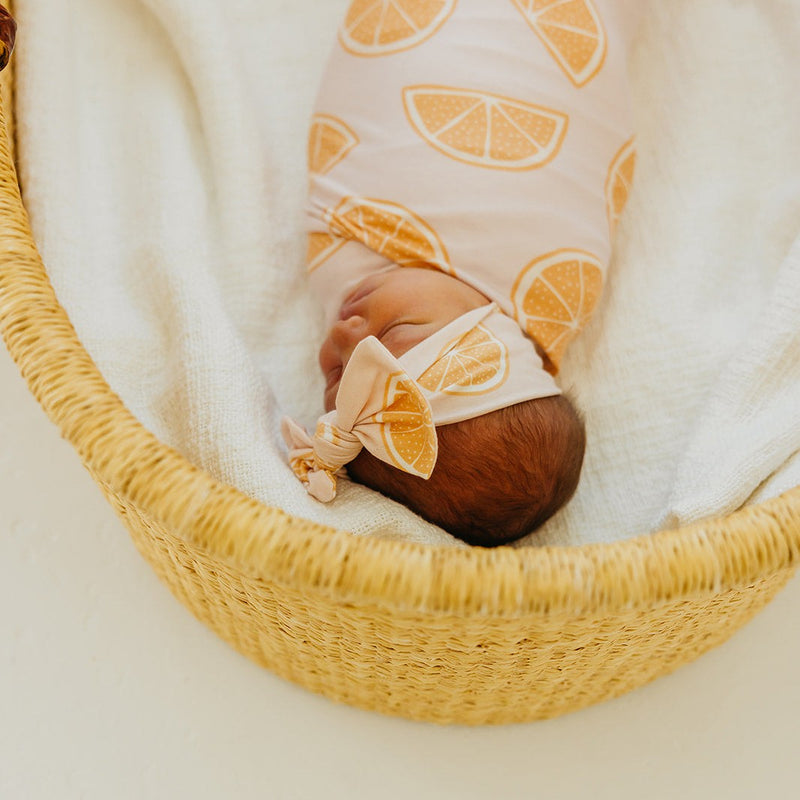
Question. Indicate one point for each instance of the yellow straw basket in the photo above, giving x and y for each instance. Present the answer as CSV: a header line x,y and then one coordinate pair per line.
x,y
450,635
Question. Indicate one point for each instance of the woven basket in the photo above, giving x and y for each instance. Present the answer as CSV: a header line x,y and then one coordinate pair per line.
x,y
450,635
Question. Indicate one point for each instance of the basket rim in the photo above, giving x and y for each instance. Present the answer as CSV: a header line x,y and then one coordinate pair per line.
x,y
266,543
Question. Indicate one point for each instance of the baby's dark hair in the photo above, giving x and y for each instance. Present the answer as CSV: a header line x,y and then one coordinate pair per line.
x,y
498,477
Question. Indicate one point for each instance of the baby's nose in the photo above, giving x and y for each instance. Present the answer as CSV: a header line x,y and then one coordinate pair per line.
x,y
347,333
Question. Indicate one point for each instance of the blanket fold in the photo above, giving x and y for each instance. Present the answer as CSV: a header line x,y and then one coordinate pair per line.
x,y
750,426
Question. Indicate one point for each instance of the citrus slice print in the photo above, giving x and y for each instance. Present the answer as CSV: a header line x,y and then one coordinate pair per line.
x,y
329,141
486,130
474,363
554,296
573,33
407,429
381,27
618,183
391,230
321,246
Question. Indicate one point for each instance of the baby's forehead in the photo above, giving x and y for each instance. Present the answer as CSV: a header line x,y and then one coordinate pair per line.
x,y
422,271
425,279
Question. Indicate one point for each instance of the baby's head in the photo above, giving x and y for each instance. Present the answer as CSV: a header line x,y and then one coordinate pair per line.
x,y
400,308
497,476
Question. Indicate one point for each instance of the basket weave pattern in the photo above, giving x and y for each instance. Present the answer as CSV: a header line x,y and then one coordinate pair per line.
x,y
444,668
450,635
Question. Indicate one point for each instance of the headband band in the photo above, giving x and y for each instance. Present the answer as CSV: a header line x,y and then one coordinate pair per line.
x,y
478,363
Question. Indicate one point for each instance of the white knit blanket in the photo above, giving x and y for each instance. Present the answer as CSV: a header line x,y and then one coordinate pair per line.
x,y
162,152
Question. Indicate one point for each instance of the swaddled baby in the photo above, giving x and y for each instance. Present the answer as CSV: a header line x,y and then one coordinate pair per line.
x,y
468,162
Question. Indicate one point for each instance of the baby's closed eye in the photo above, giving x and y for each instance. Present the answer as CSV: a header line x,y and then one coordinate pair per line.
x,y
394,328
399,337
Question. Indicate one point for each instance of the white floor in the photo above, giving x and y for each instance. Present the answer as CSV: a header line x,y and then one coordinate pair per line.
x,y
110,689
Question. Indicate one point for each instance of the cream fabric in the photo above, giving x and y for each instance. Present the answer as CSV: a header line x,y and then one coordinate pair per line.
x,y
163,153
482,145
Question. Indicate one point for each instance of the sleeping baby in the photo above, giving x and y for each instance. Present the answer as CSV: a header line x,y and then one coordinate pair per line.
x,y
468,162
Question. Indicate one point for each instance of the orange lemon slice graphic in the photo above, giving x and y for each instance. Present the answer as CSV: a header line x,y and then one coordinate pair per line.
x,y
554,296
382,27
329,141
407,429
321,246
391,230
474,363
573,33
619,181
486,130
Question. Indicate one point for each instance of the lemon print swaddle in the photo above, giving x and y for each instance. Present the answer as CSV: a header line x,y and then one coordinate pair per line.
x,y
491,140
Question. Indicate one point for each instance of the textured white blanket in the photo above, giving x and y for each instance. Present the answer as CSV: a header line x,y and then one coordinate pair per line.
x,y
163,164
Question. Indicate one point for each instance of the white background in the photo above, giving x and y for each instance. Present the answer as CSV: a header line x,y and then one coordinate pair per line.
x,y
110,689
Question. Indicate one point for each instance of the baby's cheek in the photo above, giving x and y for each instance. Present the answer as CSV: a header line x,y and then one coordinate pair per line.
x,y
328,358
329,398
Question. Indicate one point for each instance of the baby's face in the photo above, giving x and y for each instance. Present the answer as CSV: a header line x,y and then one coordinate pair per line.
x,y
401,308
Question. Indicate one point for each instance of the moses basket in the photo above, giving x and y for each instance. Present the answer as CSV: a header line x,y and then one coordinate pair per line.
x,y
469,636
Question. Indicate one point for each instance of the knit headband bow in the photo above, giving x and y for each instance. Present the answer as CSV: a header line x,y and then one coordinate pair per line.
x,y
480,362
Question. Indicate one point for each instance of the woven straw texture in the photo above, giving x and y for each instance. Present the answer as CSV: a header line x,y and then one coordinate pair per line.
x,y
469,636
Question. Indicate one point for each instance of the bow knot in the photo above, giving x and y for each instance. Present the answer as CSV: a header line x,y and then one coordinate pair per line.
x,y
365,409
318,477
